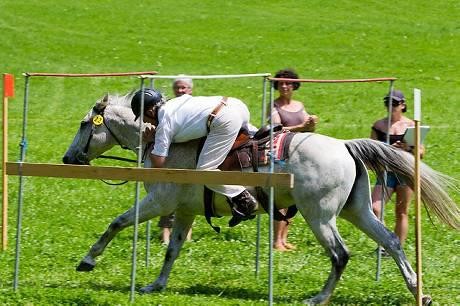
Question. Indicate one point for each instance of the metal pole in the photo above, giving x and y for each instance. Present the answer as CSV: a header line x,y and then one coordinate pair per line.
x,y
148,227
271,204
23,146
264,106
138,188
384,184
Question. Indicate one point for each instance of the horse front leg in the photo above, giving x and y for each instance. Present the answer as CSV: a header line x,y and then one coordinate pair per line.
x,y
181,227
147,210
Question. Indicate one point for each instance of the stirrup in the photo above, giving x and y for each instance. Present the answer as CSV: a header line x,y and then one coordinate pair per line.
x,y
235,220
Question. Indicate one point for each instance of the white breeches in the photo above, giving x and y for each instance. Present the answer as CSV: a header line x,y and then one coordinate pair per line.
x,y
223,132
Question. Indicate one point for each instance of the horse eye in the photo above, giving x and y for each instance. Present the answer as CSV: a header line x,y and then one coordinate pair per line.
x,y
83,123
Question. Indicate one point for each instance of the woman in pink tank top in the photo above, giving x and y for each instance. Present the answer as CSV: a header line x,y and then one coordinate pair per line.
x,y
293,116
287,111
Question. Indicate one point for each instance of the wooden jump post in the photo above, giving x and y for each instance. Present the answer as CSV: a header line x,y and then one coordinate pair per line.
x,y
8,92
418,200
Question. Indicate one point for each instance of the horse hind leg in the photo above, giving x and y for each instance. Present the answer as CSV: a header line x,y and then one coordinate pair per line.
x,y
146,212
329,238
372,227
358,211
181,227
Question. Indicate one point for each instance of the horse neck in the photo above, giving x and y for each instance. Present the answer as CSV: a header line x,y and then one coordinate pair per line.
x,y
121,123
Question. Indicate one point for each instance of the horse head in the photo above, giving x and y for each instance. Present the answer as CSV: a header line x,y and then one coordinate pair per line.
x,y
110,122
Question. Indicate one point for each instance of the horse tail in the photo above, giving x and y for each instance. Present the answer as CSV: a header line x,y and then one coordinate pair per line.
x,y
378,157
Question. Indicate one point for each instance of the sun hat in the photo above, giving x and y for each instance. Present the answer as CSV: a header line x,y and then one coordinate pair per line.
x,y
397,95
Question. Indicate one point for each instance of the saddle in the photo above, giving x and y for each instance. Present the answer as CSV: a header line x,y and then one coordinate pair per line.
x,y
253,152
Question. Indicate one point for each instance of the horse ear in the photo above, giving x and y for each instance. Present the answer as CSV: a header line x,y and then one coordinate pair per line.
x,y
105,100
102,104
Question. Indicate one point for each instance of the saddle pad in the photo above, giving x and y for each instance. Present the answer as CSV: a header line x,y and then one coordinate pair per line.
x,y
279,146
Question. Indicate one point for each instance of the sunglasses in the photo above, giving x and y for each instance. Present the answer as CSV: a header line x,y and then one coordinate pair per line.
x,y
394,102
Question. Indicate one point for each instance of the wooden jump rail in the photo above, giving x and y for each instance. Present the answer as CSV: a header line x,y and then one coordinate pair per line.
x,y
180,176
86,75
335,81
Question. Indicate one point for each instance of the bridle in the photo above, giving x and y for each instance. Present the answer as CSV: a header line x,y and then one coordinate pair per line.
x,y
96,121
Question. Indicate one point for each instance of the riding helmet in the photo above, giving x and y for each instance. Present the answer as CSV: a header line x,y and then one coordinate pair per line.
x,y
151,98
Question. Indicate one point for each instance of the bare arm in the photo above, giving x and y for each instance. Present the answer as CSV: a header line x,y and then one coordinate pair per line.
x,y
157,161
309,125
276,119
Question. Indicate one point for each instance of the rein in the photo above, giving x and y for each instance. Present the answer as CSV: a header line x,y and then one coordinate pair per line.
x,y
117,158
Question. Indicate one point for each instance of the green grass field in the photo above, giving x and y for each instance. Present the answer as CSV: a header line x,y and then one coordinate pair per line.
x,y
415,41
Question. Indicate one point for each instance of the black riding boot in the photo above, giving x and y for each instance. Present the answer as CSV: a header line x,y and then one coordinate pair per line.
x,y
243,206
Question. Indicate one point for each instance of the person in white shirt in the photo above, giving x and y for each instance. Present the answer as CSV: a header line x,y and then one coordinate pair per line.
x,y
186,118
182,85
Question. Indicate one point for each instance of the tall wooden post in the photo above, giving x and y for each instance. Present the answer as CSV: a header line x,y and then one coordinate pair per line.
x,y
8,91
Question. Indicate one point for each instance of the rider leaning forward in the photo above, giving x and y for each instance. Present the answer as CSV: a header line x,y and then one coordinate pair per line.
x,y
186,118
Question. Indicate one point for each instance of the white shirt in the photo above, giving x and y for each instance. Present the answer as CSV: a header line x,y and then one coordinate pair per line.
x,y
182,119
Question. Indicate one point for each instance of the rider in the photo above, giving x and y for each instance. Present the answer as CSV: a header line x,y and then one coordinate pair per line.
x,y
185,118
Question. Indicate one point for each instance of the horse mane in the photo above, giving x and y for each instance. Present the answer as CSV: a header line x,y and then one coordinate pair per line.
x,y
114,99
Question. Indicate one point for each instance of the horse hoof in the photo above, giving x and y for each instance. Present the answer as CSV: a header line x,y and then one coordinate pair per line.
x,y
86,265
316,300
151,288
427,300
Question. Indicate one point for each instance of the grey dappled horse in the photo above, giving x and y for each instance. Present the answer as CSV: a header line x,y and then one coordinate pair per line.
x,y
330,180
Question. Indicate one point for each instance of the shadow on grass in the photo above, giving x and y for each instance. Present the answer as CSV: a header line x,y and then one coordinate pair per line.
x,y
237,292
253,295
95,286
262,295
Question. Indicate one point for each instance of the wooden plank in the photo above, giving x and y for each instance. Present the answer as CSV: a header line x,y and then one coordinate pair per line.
x,y
180,176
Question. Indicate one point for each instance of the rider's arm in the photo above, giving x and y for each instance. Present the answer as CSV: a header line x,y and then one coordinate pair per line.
x,y
157,161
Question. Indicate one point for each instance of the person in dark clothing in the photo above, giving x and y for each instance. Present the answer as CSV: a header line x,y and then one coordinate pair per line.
x,y
398,125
